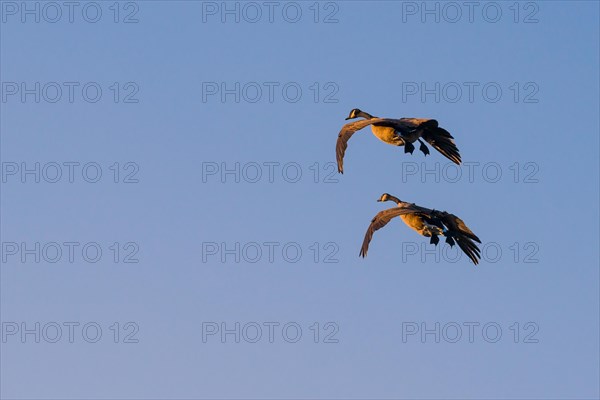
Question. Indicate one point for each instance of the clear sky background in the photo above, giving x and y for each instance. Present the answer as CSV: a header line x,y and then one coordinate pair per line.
x,y
545,224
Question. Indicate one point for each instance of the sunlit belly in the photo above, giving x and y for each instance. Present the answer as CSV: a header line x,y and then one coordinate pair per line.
x,y
414,221
417,223
387,135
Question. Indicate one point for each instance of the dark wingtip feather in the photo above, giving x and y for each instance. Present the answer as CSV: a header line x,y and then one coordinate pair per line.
x,y
363,252
469,248
443,142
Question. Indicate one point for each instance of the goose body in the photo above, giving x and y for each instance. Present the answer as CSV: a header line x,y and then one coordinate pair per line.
x,y
426,222
387,134
398,132
417,223
391,135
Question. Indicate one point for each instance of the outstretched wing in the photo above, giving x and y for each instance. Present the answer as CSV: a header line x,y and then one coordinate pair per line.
x,y
458,225
345,135
418,122
381,219
460,232
440,139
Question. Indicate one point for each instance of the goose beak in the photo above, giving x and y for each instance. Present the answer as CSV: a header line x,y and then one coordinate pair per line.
x,y
379,200
347,118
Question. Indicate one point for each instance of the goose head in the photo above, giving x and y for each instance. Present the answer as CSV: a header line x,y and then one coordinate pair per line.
x,y
356,113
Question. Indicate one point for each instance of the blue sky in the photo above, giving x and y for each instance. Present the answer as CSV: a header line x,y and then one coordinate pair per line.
x,y
163,143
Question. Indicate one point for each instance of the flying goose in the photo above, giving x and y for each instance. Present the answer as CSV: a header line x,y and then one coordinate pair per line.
x,y
398,132
426,222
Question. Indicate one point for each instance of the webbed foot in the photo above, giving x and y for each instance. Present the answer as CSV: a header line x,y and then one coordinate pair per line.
x,y
408,148
435,240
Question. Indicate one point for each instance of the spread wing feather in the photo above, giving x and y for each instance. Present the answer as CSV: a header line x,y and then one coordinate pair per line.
x,y
441,140
349,129
469,248
380,220
460,232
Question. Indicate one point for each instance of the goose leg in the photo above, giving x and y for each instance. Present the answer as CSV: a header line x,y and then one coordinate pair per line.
x,y
423,148
449,237
408,147
435,240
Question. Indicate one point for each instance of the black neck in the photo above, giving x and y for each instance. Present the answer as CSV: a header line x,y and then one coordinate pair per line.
x,y
394,199
365,115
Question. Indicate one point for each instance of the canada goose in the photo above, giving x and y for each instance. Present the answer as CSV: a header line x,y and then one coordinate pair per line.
x,y
426,222
398,132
